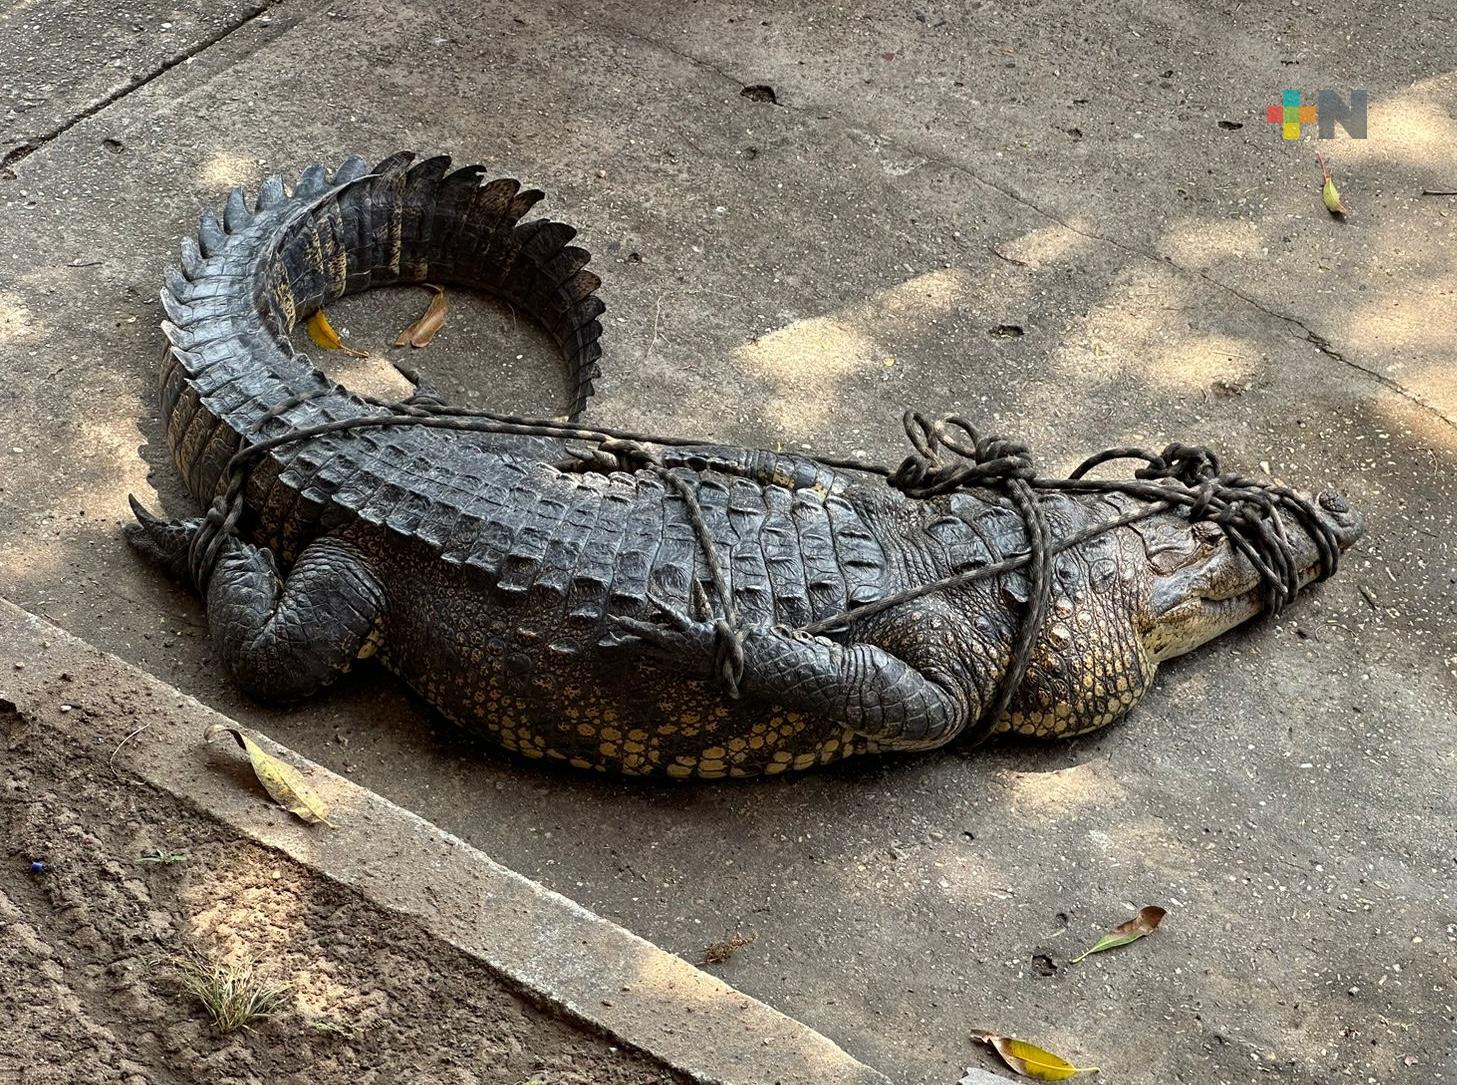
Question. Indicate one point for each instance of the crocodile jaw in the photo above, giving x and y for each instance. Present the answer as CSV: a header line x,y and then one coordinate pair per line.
x,y
1218,589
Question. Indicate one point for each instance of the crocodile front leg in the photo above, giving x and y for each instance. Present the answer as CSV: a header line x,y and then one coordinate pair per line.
x,y
281,638
882,696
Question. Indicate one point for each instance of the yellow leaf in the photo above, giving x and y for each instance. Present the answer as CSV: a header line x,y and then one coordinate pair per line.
x,y
281,780
425,329
324,335
1031,1060
1329,194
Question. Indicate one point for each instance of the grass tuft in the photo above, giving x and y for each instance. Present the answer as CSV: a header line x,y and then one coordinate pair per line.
x,y
234,995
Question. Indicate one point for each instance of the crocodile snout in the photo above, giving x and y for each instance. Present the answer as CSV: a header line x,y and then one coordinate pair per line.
x,y
1345,521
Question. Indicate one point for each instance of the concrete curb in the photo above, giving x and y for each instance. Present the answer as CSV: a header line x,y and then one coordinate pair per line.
x,y
556,951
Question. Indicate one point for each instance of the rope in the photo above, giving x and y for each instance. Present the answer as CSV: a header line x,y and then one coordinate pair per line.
x,y
947,456
994,463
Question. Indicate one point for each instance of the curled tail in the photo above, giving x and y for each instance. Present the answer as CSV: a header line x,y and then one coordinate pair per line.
x,y
252,273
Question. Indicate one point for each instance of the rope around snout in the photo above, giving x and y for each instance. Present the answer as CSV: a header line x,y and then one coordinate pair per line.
x,y
948,455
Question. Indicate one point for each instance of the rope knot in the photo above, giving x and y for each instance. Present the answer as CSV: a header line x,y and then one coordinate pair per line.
x,y
216,528
630,454
975,460
1193,465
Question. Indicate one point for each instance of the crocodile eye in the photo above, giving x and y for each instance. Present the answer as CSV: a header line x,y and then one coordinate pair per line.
x,y
1207,533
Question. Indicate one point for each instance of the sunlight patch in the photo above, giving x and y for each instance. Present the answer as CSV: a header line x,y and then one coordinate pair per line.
x,y
225,170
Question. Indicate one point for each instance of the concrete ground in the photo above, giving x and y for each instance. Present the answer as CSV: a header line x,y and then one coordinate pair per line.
x,y
408,956
1065,219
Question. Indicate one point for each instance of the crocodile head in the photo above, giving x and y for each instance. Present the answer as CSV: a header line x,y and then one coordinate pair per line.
x,y
1200,586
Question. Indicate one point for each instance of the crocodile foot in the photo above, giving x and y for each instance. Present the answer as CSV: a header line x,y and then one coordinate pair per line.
x,y
670,638
164,543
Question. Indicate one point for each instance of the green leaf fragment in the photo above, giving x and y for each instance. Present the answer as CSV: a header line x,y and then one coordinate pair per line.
x,y
1144,923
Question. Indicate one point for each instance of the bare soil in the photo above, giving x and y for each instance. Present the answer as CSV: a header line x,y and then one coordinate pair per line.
x,y
84,995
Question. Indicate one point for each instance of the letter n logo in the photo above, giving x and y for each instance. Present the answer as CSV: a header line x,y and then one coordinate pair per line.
x,y
1332,109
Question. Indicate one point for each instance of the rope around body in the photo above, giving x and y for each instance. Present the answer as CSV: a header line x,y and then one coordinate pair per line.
x,y
948,455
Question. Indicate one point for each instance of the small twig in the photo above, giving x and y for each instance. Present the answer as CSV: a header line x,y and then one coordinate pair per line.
x,y
703,291
164,858
1439,192
657,313
111,761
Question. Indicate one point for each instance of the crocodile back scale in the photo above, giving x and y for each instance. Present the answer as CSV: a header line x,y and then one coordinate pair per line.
x,y
562,600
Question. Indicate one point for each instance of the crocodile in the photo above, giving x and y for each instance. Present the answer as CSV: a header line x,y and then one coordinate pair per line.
x,y
522,590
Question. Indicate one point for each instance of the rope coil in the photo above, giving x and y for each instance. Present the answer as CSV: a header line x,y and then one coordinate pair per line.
x,y
949,455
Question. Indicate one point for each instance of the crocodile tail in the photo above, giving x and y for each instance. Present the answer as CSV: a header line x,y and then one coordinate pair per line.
x,y
257,267
416,221
285,254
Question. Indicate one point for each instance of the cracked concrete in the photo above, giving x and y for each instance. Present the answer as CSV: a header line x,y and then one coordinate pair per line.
x,y
1400,75
797,275
66,60
1317,340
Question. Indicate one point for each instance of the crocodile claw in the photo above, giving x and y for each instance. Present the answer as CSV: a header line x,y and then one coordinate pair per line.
x,y
164,543
672,639
145,518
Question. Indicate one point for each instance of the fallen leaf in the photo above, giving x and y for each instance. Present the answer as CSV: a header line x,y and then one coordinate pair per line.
x,y
425,329
1031,1060
324,335
281,780
1145,922
1329,194
719,952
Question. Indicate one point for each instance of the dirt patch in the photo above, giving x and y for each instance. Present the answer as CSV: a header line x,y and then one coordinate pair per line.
x,y
86,931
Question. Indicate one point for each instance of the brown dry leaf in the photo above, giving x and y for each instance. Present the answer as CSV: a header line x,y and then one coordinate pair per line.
x,y
1030,1060
719,952
281,780
1145,922
425,329
324,335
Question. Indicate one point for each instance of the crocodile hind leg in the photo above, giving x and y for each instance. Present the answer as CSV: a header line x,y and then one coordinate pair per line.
x,y
880,695
281,638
